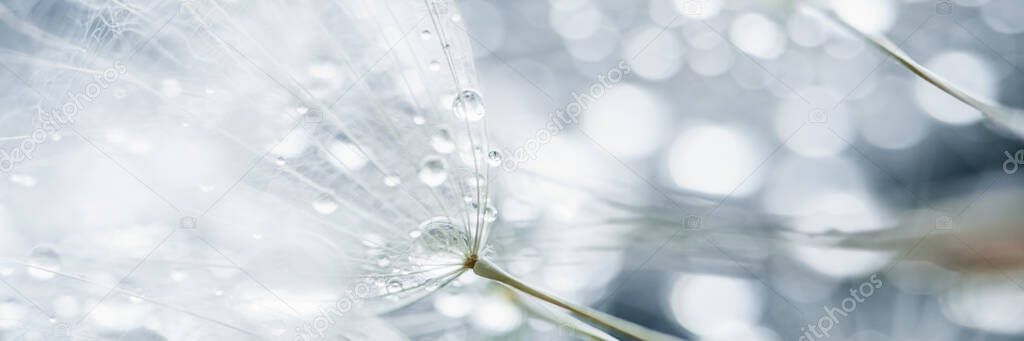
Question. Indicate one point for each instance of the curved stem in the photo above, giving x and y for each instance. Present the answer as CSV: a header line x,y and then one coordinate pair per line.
x,y
1004,117
486,269
559,319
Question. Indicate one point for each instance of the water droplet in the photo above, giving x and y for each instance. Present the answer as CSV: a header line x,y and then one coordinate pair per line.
x,y
433,171
413,234
442,141
392,181
325,204
494,158
425,34
206,188
468,105
302,110
394,286
43,262
279,161
434,65
490,213
418,120
56,137
440,242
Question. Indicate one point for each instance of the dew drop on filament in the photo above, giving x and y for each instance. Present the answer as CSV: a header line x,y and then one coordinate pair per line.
x,y
494,158
468,105
433,171
325,204
490,213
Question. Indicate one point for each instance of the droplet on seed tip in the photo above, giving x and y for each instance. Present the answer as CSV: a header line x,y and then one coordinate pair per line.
x,y
439,243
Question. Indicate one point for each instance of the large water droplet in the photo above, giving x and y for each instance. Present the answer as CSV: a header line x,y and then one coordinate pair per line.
x,y
425,34
433,171
490,213
442,141
494,158
434,65
325,204
468,105
43,262
440,243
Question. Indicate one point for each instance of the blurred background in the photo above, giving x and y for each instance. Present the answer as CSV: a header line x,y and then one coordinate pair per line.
x,y
756,118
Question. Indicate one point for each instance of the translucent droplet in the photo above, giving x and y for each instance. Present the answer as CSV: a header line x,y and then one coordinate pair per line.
x,y
425,34
415,233
392,181
43,262
433,171
468,105
439,243
394,286
442,141
490,213
494,158
418,120
434,65
325,204
279,161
